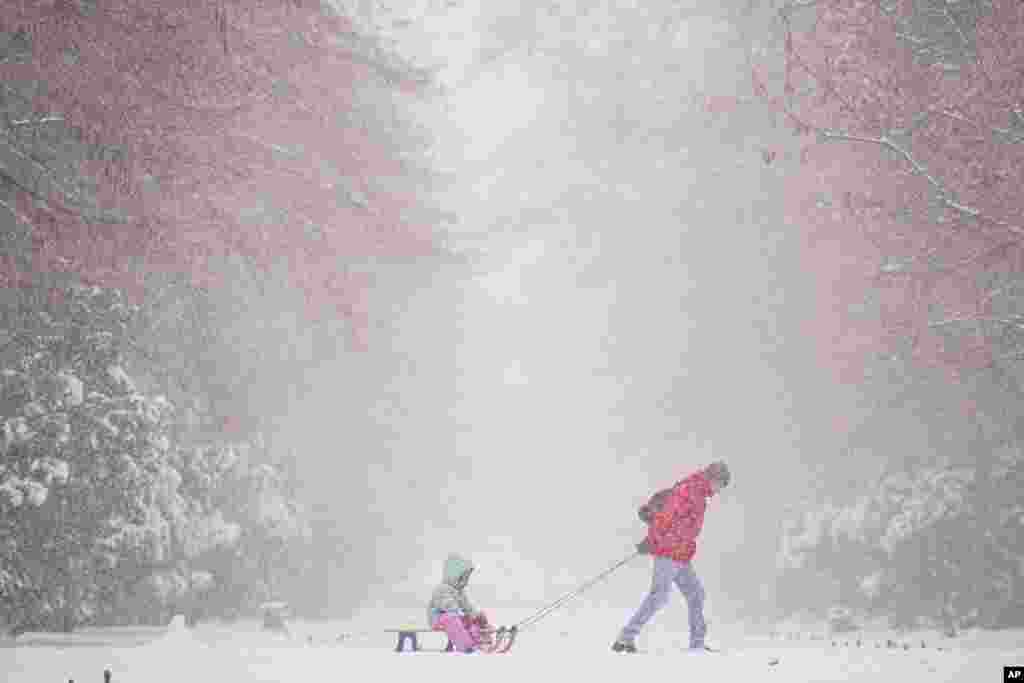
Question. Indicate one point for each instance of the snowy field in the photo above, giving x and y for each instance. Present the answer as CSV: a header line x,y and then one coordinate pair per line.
x,y
576,643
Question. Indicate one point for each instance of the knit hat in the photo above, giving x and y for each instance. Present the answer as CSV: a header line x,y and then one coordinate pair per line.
x,y
718,471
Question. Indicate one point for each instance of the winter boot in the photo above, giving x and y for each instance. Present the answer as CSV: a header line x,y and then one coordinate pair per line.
x,y
623,646
701,648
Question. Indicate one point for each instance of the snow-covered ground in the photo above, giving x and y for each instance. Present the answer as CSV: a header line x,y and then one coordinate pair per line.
x,y
576,643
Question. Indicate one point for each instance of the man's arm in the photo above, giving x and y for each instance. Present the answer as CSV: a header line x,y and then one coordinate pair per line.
x,y
654,505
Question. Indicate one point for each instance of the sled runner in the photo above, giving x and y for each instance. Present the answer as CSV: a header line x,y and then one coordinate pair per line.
x,y
504,638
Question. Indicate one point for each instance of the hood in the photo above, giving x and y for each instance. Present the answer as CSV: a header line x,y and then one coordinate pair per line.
x,y
698,484
454,567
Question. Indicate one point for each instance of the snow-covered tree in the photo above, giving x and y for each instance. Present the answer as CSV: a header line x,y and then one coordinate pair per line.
x,y
907,193
83,452
145,137
101,512
907,547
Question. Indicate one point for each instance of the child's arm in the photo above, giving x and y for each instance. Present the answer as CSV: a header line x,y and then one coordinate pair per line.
x,y
466,605
446,599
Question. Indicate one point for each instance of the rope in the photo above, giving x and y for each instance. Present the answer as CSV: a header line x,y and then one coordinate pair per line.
x,y
543,612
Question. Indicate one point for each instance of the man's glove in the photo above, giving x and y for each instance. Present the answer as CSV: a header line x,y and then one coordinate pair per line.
x,y
644,547
645,514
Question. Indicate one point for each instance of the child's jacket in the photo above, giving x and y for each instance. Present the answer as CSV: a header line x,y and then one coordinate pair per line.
x,y
449,596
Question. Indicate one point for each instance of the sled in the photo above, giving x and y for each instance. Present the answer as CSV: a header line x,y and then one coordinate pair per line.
x,y
490,640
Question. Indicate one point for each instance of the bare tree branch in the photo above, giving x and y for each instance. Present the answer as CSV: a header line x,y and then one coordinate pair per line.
x,y
1013,135
36,122
963,37
940,189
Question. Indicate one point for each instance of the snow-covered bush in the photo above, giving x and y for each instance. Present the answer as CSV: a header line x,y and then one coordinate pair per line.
x,y
95,494
841,620
911,548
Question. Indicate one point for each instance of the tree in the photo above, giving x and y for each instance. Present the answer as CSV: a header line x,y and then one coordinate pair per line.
x,y
238,529
83,457
909,197
916,108
188,154
146,138
104,513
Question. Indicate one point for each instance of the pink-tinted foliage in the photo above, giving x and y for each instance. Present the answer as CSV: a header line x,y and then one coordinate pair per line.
x,y
217,129
910,196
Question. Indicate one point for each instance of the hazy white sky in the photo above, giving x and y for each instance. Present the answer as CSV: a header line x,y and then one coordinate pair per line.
x,y
603,347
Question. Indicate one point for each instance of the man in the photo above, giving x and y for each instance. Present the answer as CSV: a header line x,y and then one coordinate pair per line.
x,y
674,518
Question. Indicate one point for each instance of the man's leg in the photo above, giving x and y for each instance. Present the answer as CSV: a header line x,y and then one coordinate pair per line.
x,y
690,586
661,584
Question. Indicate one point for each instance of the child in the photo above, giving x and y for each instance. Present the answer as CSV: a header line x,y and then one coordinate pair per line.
x,y
450,610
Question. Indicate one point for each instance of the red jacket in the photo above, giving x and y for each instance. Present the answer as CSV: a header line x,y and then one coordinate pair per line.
x,y
674,529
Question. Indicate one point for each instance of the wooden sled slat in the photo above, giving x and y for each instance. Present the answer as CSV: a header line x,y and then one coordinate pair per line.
x,y
411,634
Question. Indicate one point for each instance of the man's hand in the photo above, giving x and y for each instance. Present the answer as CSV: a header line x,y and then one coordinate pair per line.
x,y
643,547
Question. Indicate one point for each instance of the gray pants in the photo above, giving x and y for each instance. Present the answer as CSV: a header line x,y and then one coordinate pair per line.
x,y
666,572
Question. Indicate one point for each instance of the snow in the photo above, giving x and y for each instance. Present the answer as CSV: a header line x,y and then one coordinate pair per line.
x,y
580,640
